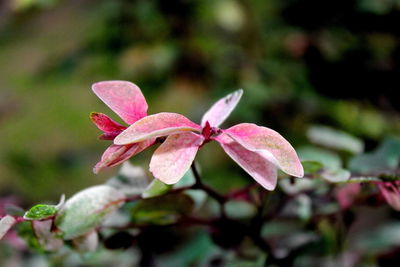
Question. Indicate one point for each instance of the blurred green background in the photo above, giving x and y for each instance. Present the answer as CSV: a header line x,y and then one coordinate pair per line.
x,y
300,62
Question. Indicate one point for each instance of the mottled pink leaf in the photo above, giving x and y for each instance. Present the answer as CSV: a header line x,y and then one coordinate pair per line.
x,y
347,194
116,154
270,144
160,124
391,193
217,114
173,158
258,167
5,224
124,98
110,128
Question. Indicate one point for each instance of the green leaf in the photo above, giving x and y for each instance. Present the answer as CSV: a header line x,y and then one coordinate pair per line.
x,y
325,157
87,209
380,239
197,250
40,212
156,188
187,180
237,209
385,157
311,167
165,209
131,180
199,197
43,211
25,231
336,175
336,139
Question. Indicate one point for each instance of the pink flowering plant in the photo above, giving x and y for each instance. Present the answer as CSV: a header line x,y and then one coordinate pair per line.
x,y
338,182
258,150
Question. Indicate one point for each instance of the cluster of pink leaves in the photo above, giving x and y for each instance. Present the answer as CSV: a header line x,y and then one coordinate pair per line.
x,y
258,150
390,191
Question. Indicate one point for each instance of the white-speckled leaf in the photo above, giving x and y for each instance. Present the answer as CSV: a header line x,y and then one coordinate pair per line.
x,y
87,209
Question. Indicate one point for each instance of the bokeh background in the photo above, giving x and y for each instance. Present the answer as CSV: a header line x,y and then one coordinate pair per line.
x,y
300,62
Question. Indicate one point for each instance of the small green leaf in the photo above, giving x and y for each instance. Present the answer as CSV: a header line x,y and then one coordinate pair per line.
x,y
164,209
311,167
43,211
156,188
40,212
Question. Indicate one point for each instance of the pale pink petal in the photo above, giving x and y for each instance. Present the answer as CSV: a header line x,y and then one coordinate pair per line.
x,y
258,167
124,98
270,144
217,114
116,154
173,158
160,124
110,128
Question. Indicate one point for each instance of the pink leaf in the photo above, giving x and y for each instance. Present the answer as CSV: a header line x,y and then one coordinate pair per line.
x,y
270,144
391,193
217,114
153,126
116,154
107,125
5,224
173,158
124,98
347,194
258,167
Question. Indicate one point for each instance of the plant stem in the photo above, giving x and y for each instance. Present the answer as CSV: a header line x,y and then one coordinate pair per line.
x,y
210,191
